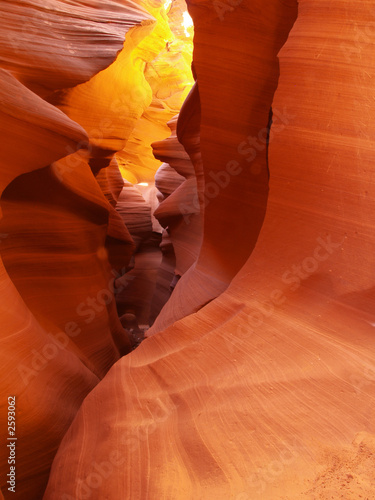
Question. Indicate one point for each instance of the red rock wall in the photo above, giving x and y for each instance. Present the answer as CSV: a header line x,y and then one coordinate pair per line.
x,y
48,394
230,113
268,391
178,188
67,105
40,46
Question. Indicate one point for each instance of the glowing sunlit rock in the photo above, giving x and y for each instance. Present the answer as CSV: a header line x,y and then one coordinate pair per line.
x,y
267,392
259,380
40,46
168,73
187,24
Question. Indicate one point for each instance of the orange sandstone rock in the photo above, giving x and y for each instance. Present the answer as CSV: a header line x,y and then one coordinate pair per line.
x,y
268,391
60,330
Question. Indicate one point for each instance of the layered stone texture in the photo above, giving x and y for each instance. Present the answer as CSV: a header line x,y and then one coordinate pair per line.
x,y
230,114
73,88
168,56
258,382
56,44
137,285
32,355
268,391
179,213
179,209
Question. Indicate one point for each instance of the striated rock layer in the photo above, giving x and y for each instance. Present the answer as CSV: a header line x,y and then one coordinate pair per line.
x,y
167,52
56,44
234,108
72,90
268,391
177,184
40,367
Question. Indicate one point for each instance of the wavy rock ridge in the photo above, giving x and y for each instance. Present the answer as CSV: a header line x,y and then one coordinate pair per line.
x,y
257,378
73,88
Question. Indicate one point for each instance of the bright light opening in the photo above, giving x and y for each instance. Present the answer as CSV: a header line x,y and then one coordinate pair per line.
x,y
187,23
159,88
167,4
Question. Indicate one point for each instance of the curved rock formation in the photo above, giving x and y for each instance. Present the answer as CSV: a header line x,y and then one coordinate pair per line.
x,y
168,72
234,108
268,391
177,184
62,242
259,380
32,355
57,44
138,284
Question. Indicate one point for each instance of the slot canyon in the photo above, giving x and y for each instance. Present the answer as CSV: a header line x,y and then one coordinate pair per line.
x,y
187,243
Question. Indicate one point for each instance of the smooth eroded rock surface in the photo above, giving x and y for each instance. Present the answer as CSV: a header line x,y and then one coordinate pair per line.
x,y
268,391
257,379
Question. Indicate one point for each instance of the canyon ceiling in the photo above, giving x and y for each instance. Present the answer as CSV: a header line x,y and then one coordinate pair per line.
x,y
187,242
